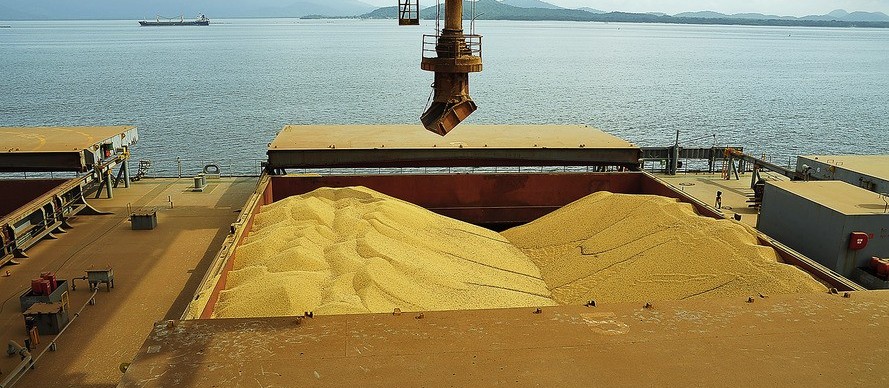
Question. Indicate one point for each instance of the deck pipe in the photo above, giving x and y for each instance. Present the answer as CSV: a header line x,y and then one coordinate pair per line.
x,y
125,165
16,373
108,184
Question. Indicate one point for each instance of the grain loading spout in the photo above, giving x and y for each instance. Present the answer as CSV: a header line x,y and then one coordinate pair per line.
x,y
451,55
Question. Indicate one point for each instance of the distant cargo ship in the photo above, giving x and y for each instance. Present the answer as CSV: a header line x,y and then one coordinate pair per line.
x,y
200,21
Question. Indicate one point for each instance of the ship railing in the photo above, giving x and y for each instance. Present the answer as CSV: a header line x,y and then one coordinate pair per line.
x,y
449,170
39,175
186,167
472,42
183,168
164,168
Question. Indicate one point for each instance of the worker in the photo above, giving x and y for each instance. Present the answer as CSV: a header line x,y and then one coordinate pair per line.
x,y
719,200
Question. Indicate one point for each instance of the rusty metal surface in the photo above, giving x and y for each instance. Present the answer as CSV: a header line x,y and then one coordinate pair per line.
x,y
473,191
326,146
454,59
791,340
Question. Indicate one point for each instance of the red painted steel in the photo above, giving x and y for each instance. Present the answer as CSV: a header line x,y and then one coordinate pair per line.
x,y
858,241
17,193
475,198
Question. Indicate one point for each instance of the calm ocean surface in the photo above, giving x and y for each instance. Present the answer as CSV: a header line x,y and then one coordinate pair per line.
x,y
220,93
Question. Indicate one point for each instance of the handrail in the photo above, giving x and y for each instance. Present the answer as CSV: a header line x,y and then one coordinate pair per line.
x,y
14,378
472,42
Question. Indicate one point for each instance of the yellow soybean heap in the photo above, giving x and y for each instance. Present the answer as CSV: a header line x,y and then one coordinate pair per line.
x,y
354,250
620,248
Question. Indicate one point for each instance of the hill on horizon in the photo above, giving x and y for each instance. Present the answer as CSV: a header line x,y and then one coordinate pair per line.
x,y
494,10
487,10
497,10
837,15
530,4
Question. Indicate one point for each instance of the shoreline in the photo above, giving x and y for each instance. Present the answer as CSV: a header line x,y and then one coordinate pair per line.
x,y
615,17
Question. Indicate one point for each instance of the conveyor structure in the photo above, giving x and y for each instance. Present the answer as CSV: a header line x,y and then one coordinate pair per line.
x,y
53,149
38,208
361,146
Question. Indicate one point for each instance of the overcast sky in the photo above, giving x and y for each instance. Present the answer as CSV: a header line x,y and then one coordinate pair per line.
x,y
778,7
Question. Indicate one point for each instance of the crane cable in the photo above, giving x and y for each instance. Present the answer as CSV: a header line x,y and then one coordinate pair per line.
x,y
437,21
437,35
472,19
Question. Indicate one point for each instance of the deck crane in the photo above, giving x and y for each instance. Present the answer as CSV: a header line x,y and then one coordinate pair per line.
x,y
451,55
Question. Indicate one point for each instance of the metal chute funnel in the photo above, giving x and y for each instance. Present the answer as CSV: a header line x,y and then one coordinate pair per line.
x,y
451,55
442,117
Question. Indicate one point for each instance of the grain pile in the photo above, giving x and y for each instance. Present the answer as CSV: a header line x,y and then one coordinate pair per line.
x,y
620,248
354,250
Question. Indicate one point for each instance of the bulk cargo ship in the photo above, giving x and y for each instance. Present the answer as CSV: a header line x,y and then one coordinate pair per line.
x,y
163,22
406,270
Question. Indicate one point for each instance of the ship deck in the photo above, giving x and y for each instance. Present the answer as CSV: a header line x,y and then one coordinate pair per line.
x,y
839,196
735,192
876,166
791,340
156,273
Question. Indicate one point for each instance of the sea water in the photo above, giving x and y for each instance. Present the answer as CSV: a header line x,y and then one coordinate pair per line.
x,y
220,93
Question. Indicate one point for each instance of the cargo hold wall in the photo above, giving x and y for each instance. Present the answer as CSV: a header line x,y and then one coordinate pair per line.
x,y
496,201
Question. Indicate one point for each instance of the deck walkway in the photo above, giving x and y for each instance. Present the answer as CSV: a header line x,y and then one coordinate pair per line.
x,y
156,273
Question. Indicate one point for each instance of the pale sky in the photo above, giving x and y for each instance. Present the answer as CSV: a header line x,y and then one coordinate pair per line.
x,y
777,7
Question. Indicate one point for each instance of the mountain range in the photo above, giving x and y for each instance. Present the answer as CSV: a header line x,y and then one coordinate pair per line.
x,y
509,10
498,10
837,15
486,9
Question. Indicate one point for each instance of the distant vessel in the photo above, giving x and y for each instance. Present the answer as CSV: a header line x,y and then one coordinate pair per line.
x,y
160,21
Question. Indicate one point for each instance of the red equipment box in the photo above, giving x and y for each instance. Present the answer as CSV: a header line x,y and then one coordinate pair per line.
x,y
857,241
51,277
880,266
40,287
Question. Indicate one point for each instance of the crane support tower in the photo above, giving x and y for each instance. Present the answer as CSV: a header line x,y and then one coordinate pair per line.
x,y
451,55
